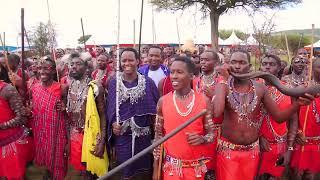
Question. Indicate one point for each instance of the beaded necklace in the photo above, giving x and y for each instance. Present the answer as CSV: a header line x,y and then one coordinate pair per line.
x,y
189,107
297,80
101,74
134,93
244,103
77,94
209,80
276,96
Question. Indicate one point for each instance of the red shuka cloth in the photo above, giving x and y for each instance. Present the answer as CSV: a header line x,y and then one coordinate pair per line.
x,y
167,86
105,78
76,151
237,164
13,155
309,159
269,159
177,146
49,129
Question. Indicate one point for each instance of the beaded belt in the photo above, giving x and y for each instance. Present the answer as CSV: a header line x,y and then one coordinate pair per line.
x,y
313,140
77,130
136,130
175,165
223,145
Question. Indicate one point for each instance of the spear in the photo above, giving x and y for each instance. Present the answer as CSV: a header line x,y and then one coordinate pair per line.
x,y
287,44
309,77
151,147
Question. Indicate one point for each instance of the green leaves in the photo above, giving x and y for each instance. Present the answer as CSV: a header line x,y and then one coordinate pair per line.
x,y
84,39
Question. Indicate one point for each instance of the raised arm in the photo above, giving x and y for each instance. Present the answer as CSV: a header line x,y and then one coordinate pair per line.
x,y
208,123
272,108
16,104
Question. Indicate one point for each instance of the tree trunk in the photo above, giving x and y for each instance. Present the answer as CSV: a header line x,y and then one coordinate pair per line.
x,y
214,22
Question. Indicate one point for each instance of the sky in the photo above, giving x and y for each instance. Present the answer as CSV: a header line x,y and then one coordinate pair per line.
x,y
100,19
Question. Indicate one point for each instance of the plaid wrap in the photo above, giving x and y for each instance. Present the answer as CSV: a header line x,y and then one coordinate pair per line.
x,y
49,128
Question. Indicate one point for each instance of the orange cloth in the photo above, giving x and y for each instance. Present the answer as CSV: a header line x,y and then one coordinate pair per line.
x,y
309,159
184,151
233,164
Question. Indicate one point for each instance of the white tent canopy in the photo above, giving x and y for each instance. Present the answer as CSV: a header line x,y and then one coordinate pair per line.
x,y
251,41
232,40
316,44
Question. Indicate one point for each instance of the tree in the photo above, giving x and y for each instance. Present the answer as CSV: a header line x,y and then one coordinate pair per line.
x,y
263,32
224,34
215,8
84,39
42,38
295,41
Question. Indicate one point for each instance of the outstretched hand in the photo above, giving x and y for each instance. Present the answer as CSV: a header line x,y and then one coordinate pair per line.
x,y
306,100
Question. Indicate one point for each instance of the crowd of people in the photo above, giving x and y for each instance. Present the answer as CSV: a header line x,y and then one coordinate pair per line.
x,y
74,111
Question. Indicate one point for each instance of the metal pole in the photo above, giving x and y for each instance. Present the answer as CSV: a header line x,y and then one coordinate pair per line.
x,y
151,147
118,69
141,17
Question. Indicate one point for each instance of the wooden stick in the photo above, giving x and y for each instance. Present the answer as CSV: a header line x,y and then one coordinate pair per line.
x,y
178,32
134,33
287,44
23,67
309,77
160,163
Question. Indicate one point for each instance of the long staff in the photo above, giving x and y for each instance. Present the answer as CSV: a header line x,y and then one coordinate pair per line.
x,y
309,77
23,67
151,147
118,69
141,17
287,45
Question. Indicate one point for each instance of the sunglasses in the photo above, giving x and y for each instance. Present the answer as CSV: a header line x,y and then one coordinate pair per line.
x,y
300,60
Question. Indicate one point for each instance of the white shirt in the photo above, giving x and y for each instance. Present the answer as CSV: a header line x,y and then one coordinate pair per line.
x,y
156,75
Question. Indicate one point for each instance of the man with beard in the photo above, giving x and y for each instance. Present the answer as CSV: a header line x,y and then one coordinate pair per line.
x,y
241,101
138,98
188,153
155,70
76,94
